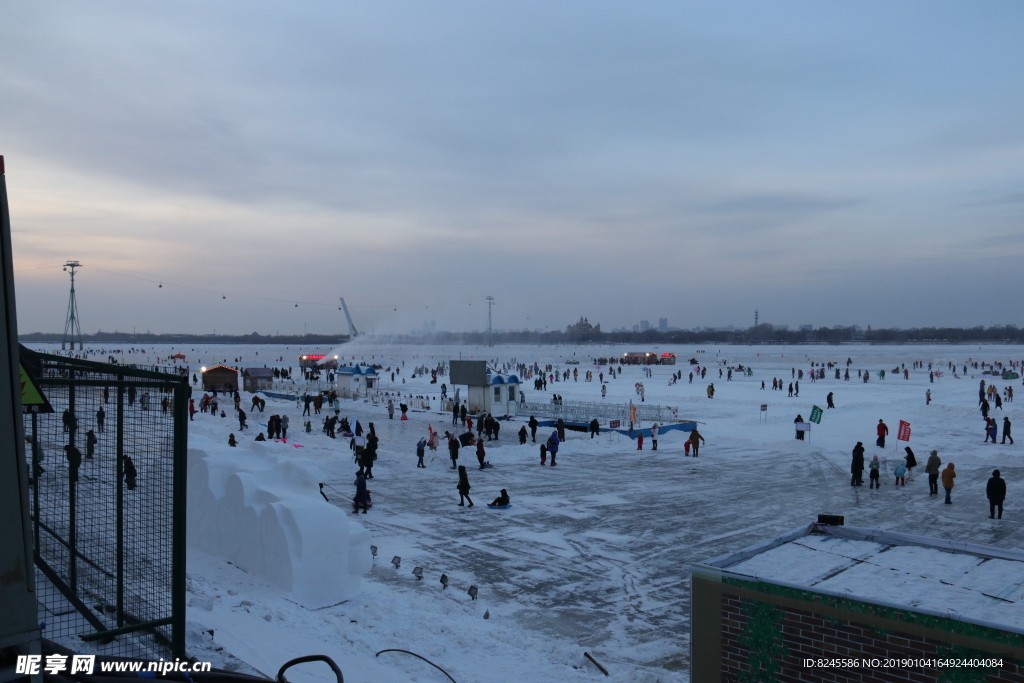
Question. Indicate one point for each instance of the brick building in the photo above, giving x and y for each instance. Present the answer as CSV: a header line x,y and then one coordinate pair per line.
x,y
835,592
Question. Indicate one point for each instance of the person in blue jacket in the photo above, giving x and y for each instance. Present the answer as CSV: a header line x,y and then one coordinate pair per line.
x,y
553,442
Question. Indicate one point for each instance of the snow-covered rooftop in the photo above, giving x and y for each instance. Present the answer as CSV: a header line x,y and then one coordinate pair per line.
x,y
968,582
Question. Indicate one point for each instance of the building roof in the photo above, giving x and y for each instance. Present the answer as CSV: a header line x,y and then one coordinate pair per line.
x,y
221,367
969,582
258,372
355,370
495,378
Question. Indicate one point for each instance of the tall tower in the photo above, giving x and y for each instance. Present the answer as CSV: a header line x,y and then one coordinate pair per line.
x,y
755,317
490,330
72,328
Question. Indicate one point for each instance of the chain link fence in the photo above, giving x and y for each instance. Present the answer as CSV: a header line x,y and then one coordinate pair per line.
x,y
107,501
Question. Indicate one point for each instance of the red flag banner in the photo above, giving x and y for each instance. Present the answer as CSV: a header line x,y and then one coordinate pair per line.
x,y
904,433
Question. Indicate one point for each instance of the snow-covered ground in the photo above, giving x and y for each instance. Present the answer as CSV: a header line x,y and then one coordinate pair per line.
x,y
593,554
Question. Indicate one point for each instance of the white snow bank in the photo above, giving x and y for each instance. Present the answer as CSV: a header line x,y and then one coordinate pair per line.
x,y
259,507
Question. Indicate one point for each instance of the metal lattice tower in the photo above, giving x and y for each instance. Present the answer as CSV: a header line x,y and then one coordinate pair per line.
x,y
490,330
755,317
72,328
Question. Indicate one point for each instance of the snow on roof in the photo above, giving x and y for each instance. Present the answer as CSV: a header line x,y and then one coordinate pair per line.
x,y
258,372
969,582
220,367
355,370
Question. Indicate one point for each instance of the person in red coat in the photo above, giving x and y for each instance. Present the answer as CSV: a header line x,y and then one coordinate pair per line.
x,y
883,431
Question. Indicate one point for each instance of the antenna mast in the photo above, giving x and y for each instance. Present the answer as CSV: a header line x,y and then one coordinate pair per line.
x,y
72,328
490,330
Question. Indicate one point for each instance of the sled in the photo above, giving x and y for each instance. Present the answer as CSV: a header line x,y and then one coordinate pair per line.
x,y
486,466
500,507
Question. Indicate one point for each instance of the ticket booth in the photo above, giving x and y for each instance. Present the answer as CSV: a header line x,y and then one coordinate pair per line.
x,y
353,381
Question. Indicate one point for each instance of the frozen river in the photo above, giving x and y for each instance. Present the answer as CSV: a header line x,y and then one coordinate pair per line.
x,y
594,553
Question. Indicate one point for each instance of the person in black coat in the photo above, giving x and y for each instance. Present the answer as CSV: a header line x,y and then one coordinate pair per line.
x,y
857,465
522,435
90,444
453,451
996,491
74,461
503,499
533,428
362,499
799,420
129,472
1006,430
464,487
560,426
595,428
911,462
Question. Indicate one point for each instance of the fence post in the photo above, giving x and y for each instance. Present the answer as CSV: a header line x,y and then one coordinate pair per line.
x,y
119,447
72,486
178,533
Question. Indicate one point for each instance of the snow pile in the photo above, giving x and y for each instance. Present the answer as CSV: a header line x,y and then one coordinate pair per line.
x,y
260,508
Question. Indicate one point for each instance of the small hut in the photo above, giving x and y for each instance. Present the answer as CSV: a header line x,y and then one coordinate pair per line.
x,y
498,397
355,380
317,360
220,378
257,379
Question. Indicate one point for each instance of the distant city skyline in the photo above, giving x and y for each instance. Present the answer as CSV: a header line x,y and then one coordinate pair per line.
x,y
236,166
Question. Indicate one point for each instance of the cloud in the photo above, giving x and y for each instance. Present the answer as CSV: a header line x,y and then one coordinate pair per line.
x,y
683,159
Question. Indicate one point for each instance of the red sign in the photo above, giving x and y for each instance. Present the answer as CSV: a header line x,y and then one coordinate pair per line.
x,y
614,424
904,433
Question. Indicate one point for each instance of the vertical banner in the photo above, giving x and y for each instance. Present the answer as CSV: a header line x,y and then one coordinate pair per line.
x,y
904,432
816,415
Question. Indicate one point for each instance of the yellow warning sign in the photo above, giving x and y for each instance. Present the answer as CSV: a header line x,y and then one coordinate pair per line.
x,y
32,399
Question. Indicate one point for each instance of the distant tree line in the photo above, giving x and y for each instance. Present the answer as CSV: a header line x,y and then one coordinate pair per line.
x,y
107,338
762,334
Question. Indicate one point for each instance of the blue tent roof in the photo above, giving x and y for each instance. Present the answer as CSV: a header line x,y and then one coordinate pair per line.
x,y
356,370
494,378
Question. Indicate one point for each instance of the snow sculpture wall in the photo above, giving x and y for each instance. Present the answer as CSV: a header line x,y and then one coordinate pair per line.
x,y
263,512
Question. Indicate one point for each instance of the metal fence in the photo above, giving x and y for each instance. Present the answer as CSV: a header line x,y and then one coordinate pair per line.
x,y
581,411
109,546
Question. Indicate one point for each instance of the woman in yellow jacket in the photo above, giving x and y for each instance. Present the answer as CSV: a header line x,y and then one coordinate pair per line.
x,y
948,475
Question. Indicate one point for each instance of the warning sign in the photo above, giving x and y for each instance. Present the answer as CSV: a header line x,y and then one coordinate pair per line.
x,y
32,399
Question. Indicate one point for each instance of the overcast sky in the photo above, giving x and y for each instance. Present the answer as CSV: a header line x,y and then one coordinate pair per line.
x,y
824,162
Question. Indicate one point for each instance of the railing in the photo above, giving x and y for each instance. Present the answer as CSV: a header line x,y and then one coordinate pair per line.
x,y
581,411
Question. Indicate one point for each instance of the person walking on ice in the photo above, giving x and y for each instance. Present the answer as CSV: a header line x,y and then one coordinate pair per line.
x,y
694,441
421,449
882,430
996,492
857,465
948,475
901,474
464,487
654,436
553,442
931,468
873,468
